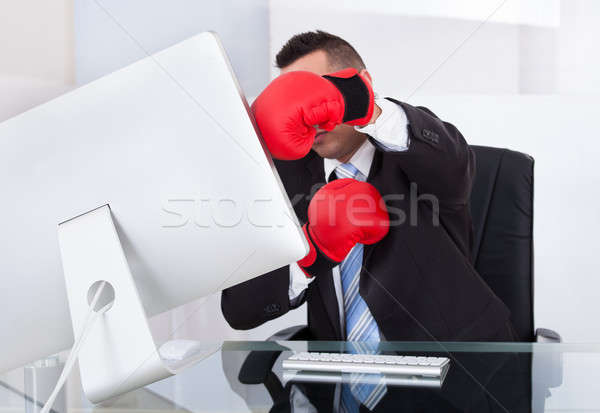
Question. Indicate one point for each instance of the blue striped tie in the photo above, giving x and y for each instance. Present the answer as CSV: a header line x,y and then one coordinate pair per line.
x,y
360,324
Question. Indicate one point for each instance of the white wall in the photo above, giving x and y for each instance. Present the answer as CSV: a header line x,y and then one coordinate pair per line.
x,y
530,12
403,51
579,63
111,34
36,53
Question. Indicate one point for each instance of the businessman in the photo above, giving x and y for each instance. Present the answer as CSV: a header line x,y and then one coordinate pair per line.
x,y
399,268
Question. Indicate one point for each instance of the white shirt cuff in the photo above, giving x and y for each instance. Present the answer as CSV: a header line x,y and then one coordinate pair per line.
x,y
390,130
298,282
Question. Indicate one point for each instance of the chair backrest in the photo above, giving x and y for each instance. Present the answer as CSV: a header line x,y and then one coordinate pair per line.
x,y
502,212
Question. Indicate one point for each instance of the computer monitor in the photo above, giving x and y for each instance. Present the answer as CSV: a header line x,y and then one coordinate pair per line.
x,y
169,144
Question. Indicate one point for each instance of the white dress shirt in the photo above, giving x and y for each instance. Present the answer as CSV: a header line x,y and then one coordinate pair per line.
x,y
390,132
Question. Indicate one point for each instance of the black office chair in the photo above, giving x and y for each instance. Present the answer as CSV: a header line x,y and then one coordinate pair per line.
x,y
502,213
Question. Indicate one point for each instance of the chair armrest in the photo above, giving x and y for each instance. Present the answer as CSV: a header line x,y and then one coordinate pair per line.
x,y
258,364
544,335
547,368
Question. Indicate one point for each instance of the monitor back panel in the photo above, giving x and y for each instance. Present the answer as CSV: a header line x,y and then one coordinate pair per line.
x,y
168,143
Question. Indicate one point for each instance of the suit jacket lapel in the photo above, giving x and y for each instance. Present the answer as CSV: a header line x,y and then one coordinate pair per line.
x,y
327,292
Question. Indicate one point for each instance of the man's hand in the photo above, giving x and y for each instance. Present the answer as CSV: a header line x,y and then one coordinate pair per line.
x,y
341,214
294,104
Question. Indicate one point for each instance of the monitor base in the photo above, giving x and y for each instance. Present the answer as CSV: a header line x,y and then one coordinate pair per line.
x,y
119,354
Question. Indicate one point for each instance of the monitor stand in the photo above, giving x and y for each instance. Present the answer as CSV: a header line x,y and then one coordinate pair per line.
x,y
119,354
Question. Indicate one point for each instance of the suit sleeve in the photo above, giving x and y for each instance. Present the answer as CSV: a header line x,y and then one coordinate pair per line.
x,y
438,160
256,301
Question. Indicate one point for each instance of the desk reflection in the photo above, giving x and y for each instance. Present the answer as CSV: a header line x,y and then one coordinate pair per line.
x,y
475,382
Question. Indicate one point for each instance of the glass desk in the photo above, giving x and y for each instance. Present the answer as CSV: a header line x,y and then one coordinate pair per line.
x,y
247,377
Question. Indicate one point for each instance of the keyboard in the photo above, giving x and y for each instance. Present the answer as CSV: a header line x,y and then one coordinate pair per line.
x,y
393,365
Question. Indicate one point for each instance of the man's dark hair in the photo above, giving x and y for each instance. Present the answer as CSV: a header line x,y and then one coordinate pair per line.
x,y
339,52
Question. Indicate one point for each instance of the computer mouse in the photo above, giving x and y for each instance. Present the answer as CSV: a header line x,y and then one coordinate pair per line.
x,y
177,350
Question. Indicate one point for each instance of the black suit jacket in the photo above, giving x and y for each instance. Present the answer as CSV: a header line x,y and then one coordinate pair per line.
x,y
418,281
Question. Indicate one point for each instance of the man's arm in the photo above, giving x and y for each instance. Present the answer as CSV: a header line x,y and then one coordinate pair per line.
x,y
438,158
330,234
256,301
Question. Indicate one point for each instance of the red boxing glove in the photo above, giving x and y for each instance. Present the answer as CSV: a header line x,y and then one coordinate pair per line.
x,y
288,110
341,214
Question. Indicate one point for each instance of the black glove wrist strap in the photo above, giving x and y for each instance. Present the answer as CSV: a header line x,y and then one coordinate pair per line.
x,y
356,96
322,263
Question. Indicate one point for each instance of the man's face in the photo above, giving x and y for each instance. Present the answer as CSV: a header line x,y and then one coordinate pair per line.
x,y
343,140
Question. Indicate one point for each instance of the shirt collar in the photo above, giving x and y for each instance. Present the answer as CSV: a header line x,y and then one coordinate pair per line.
x,y
362,160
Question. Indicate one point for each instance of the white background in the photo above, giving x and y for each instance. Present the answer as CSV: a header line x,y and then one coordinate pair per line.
x,y
523,76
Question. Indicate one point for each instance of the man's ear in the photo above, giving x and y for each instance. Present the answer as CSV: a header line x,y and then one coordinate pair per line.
x,y
365,73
